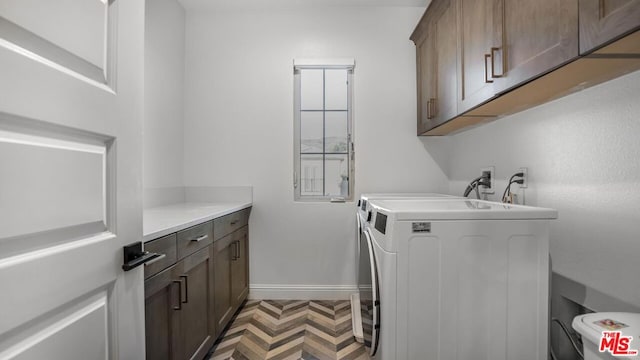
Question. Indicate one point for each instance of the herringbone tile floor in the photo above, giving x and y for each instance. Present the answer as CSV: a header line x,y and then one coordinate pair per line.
x,y
308,330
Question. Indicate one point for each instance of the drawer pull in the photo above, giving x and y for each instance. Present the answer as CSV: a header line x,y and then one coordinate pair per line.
x,y
200,238
156,259
233,222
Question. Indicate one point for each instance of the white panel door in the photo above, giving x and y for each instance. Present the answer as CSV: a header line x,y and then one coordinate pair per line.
x,y
70,178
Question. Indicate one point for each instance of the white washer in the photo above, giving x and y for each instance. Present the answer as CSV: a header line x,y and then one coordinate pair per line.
x,y
459,279
363,261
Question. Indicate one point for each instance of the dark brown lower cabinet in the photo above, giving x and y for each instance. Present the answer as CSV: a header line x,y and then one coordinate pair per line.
x,y
177,309
240,269
162,317
231,281
222,250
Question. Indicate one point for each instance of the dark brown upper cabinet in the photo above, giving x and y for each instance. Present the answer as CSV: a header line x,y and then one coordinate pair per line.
x,y
436,66
604,20
503,43
425,79
480,32
498,57
537,36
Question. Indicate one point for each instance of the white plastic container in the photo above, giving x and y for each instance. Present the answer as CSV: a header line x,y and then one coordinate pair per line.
x,y
592,326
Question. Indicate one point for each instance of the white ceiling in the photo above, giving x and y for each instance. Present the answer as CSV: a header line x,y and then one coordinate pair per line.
x,y
274,4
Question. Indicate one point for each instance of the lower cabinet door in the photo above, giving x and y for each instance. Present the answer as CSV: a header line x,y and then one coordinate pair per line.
x,y
162,316
195,274
222,258
178,311
239,268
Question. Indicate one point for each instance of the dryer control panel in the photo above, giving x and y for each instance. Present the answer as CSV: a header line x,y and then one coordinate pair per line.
x,y
381,222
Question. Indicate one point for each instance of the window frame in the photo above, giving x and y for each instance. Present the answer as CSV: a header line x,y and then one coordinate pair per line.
x,y
347,65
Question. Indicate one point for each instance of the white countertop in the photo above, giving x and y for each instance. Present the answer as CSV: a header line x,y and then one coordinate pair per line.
x,y
164,220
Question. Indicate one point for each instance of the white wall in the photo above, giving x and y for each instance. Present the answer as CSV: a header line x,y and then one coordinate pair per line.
x,y
163,95
583,155
239,126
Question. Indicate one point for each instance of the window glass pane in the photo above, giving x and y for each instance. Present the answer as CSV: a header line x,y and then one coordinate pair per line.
x,y
337,170
336,131
323,161
311,178
335,89
311,97
311,132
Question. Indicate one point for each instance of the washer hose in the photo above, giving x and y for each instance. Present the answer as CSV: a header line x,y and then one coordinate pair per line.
x,y
573,342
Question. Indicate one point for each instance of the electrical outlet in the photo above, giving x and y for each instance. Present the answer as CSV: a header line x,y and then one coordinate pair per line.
x,y
491,188
525,178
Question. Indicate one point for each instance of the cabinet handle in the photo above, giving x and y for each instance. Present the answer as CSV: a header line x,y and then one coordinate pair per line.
x,y
601,9
233,254
179,307
233,222
434,107
493,59
486,68
238,249
200,238
431,108
186,288
156,259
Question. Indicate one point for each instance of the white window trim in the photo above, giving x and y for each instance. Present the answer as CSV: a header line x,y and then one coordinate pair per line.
x,y
300,64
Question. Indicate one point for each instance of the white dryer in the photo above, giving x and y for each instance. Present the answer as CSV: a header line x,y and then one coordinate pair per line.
x,y
364,208
364,211
458,279
362,305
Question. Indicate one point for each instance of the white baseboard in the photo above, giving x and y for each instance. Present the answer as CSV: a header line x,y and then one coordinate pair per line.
x,y
301,292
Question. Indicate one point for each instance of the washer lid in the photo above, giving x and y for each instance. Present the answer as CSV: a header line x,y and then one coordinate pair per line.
x,y
458,209
592,325
370,196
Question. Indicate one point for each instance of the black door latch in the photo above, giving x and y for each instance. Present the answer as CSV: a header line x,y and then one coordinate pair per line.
x,y
134,256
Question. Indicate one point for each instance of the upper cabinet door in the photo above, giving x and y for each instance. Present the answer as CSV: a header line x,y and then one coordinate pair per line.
x,y
605,20
436,56
477,35
445,35
425,52
537,36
